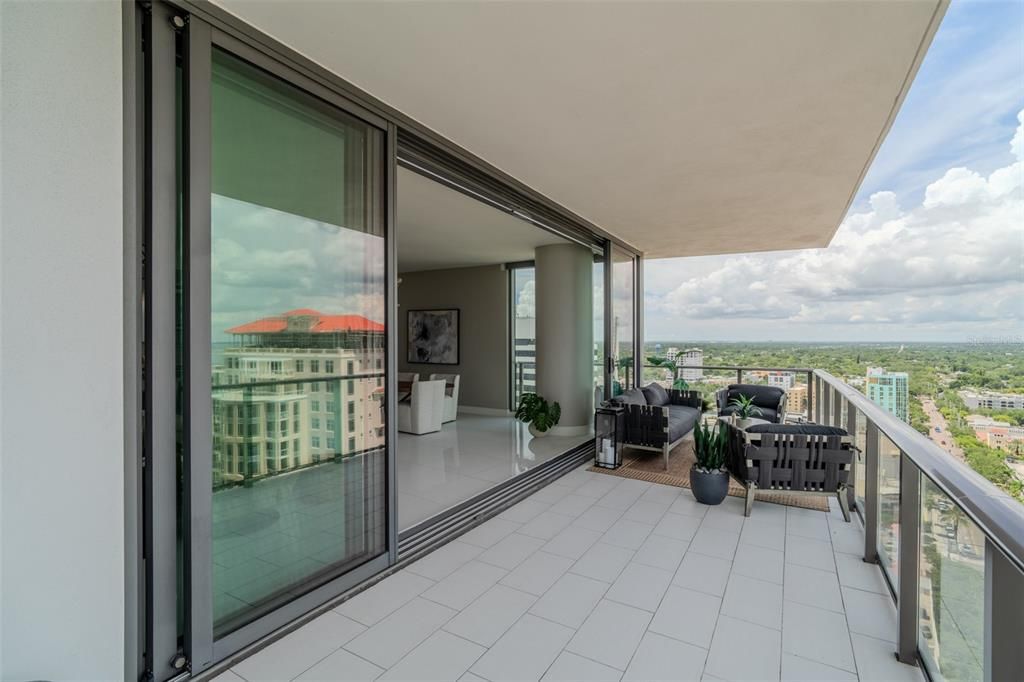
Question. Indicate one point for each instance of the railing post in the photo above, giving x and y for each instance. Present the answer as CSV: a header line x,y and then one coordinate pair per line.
x,y
826,405
810,396
1004,617
907,605
837,407
871,447
739,375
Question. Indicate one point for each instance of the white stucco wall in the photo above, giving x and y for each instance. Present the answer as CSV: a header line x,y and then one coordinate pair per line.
x,y
61,349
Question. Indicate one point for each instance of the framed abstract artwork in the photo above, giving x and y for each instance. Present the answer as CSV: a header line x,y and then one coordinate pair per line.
x,y
433,336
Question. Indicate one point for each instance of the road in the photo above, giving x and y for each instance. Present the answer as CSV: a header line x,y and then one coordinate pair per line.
x,y
936,421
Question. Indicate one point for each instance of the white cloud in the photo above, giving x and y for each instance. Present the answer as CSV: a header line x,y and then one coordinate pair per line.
x,y
954,259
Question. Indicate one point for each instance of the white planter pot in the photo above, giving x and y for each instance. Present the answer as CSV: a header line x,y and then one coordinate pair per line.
x,y
744,423
537,434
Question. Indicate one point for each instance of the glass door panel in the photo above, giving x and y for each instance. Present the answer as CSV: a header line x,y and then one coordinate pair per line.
x,y
297,305
599,342
622,321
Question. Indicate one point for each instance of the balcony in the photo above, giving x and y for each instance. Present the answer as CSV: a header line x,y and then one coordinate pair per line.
x,y
601,577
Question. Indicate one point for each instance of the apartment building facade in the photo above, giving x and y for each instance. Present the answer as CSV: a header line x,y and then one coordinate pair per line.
x,y
890,390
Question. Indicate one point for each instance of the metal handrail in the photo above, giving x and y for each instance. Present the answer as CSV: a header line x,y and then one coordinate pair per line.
x,y
307,380
999,516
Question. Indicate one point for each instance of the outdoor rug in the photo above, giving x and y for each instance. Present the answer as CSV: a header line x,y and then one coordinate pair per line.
x,y
649,466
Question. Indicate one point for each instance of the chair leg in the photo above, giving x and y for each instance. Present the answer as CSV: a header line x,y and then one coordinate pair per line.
x,y
749,505
664,449
844,502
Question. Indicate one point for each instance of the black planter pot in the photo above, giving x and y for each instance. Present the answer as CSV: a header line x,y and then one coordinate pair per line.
x,y
709,488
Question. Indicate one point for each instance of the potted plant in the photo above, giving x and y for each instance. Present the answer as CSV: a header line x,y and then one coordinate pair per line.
x,y
745,409
709,479
538,413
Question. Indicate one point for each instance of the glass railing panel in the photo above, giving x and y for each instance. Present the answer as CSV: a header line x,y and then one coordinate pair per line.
x,y
889,508
860,439
952,589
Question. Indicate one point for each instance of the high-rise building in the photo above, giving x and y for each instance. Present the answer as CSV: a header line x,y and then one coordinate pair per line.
x,y
992,401
783,380
796,400
671,354
690,358
890,390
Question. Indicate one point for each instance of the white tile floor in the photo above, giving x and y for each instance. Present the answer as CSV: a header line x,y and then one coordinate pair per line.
x,y
467,456
603,578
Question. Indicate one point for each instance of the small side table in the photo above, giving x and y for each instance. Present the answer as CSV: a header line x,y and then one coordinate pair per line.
x,y
609,425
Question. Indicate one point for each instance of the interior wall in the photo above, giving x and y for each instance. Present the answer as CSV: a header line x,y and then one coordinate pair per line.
x,y
62,516
481,294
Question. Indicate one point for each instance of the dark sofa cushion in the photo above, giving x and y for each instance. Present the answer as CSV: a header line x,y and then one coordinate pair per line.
x,y
681,420
767,413
764,396
798,429
633,396
655,394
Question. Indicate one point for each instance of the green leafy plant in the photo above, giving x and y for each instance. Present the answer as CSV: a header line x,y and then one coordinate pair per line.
x,y
535,410
745,407
709,447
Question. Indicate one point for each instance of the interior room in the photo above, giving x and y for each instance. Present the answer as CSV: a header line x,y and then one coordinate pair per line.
x,y
470,343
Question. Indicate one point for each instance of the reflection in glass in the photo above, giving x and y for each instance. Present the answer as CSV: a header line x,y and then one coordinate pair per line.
x,y
952,589
889,508
297,304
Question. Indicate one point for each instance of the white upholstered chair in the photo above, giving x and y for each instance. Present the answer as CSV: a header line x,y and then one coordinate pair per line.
x,y
423,410
451,395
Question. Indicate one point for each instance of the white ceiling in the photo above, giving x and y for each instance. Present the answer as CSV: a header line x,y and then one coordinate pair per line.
x,y
441,228
684,127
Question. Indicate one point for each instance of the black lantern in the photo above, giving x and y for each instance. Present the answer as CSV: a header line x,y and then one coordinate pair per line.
x,y
609,424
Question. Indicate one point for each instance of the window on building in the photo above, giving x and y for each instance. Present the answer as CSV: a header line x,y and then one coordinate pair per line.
x,y
314,365
350,370
351,445
275,366
314,422
299,365
330,406
330,424
284,448
316,441
283,424
295,409
351,386
330,444
329,366
315,405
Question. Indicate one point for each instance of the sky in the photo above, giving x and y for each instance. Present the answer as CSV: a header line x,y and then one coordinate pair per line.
x,y
932,248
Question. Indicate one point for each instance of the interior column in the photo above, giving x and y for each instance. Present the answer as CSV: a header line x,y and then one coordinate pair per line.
x,y
565,343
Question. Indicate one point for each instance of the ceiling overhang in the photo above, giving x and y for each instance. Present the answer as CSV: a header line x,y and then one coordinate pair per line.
x,y
683,128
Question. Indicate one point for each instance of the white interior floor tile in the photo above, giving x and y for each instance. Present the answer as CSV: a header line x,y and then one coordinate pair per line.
x,y
764,532
855,572
678,526
546,525
804,525
876,660
715,542
811,553
627,533
572,504
686,505
647,511
572,542
490,532
598,518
